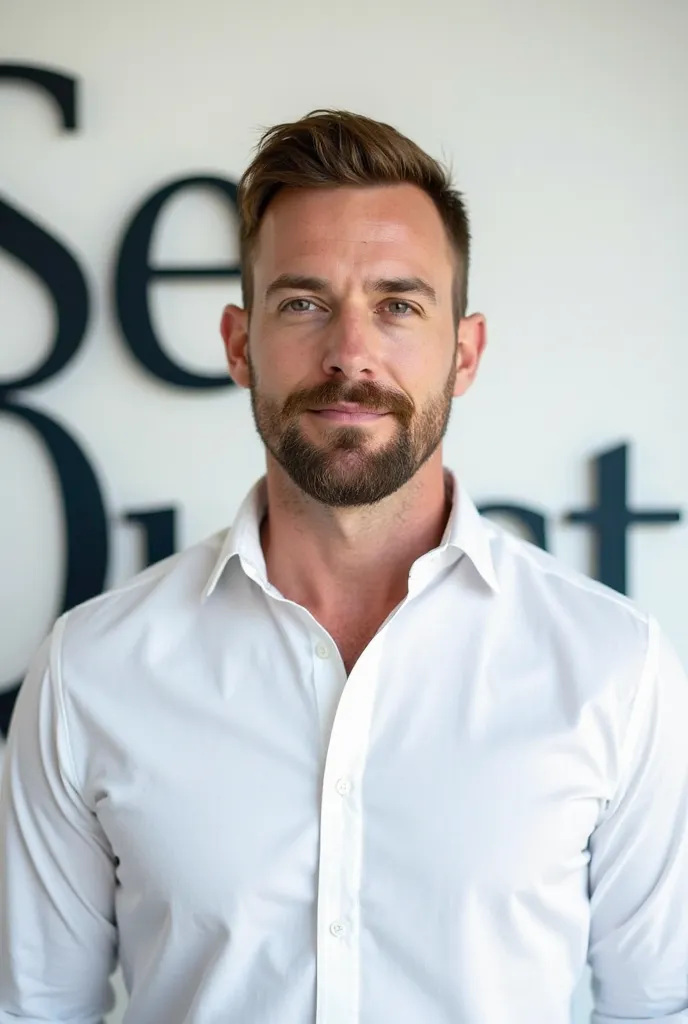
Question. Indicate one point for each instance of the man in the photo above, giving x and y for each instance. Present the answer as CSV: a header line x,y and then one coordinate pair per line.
x,y
365,758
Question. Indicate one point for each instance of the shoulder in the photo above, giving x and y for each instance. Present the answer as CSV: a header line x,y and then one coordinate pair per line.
x,y
518,563
564,606
161,596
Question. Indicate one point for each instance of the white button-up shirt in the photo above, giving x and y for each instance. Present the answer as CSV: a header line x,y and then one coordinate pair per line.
x,y
498,790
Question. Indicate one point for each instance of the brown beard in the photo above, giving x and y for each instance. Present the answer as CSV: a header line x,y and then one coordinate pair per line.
x,y
343,471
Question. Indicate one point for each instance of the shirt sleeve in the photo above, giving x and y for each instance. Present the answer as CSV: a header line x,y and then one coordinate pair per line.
x,y
638,870
57,873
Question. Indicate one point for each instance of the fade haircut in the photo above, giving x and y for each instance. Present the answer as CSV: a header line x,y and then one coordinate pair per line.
x,y
327,148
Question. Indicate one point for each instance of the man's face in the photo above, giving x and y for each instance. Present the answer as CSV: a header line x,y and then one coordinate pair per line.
x,y
351,349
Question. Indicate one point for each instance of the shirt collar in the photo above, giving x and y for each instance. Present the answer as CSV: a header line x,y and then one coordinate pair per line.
x,y
243,539
465,532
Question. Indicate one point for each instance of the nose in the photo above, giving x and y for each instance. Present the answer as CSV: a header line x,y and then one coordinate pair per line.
x,y
350,346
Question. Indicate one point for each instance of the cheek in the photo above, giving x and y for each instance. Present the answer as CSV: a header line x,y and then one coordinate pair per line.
x,y
421,374
281,362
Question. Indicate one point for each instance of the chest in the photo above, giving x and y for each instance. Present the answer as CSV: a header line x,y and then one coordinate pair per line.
x,y
353,633
225,809
351,643
467,769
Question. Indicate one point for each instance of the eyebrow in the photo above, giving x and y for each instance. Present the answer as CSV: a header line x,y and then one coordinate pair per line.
x,y
404,285
296,282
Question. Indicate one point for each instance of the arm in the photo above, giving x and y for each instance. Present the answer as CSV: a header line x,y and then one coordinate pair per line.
x,y
639,858
57,877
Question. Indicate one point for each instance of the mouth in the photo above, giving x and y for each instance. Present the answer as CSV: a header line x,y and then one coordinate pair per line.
x,y
348,413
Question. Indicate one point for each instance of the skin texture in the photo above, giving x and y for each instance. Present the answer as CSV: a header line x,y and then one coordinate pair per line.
x,y
351,381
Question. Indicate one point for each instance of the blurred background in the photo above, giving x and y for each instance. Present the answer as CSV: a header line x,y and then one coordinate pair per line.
x,y
564,125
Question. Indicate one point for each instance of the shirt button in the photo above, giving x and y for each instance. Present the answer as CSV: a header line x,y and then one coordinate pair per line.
x,y
343,786
337,929
323,651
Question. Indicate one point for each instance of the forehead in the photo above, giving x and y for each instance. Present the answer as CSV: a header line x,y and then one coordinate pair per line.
x,y
332,230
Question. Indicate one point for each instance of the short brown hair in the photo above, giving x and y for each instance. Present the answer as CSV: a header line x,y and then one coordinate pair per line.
x,y
327,148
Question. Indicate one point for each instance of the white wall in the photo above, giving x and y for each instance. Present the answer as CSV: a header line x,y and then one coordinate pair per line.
x,y
565,124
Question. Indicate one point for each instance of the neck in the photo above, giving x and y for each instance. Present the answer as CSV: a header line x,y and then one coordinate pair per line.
x,y
330,559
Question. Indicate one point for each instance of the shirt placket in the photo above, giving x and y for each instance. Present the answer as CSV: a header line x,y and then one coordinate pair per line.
x,y
341,835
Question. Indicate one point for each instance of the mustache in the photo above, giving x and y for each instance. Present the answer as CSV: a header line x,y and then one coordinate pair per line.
x,y
367,394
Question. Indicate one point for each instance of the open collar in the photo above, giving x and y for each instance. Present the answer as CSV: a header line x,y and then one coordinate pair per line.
x,y
465,532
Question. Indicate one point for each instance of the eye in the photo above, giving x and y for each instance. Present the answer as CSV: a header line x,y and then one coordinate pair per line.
x,y
298,306
397,307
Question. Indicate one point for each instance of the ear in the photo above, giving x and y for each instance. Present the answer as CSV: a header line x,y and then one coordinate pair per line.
x,y
472,339
234,331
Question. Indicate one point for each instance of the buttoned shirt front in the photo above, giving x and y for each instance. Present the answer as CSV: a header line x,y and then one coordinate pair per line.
x,y
498,790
